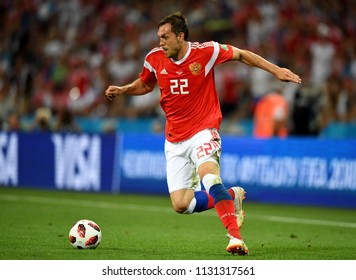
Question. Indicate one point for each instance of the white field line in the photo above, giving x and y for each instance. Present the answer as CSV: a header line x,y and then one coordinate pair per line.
x,y
144,208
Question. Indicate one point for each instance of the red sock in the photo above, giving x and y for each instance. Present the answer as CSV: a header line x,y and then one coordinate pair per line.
x,y
226,211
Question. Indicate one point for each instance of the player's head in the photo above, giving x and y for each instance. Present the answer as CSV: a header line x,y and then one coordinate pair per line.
x,y
178,22
173,33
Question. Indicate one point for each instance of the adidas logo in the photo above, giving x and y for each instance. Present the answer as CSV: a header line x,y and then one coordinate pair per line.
x,y
164,72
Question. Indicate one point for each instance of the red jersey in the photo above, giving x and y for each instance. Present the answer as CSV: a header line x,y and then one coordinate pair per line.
x,y
188,92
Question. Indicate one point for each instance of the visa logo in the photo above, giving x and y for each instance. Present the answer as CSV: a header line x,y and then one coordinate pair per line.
x,y
77,161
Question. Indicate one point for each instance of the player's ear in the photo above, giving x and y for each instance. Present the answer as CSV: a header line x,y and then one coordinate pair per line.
x,y
181,37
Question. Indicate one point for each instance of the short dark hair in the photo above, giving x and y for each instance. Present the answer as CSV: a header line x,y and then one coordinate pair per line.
x,y
178,22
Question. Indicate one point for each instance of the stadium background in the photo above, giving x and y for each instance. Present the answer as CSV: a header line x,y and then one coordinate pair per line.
x,y
57,58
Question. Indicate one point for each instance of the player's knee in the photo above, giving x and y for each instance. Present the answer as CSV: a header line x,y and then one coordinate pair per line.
x,y
180,206
210,180
182,200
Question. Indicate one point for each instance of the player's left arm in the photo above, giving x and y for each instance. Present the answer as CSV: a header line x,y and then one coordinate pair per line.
x,y
255,60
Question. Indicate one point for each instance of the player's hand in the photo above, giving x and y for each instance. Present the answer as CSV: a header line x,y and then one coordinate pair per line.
x,y
113,91
285,75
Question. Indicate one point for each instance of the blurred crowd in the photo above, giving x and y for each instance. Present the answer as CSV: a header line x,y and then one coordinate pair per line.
x,y
58,57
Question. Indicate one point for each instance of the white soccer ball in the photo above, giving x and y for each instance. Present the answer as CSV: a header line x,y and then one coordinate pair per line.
x,y
85,234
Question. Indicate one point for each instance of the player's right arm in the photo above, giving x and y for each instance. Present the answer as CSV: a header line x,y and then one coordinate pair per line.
x,y
138,87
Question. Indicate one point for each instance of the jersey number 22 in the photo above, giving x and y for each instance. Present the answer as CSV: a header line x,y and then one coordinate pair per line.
x,y
179,86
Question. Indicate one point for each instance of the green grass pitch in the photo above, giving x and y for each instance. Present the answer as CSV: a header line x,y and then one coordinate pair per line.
x,y
35,225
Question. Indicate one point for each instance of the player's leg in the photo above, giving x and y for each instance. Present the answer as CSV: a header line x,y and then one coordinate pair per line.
x,y
209,171
207,148
182,178
188,201
181,199
206,156
182,183
182,161
201,201
224,206
205,153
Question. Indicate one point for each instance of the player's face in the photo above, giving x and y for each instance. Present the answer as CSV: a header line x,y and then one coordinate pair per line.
x,y
169,42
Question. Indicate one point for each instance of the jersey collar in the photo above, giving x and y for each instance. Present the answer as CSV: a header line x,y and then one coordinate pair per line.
x,y
178,62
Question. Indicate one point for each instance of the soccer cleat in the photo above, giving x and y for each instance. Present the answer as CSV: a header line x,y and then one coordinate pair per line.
x,y
239,197
236,246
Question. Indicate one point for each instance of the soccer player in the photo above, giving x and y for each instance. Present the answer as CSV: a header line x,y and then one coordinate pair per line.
x,y
184,72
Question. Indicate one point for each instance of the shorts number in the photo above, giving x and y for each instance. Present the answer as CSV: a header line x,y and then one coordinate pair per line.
x,y
207,148
179,86
203,150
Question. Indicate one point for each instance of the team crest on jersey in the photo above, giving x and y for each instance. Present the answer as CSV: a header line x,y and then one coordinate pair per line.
x,y
195,68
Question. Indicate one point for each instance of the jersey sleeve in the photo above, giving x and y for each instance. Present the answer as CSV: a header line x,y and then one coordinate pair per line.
x,y
148,75
225,53
220,54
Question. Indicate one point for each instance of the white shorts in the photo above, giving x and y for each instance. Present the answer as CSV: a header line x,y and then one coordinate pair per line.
x,y
183,159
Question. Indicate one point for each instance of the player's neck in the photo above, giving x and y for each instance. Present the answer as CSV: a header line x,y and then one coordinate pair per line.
x,y
183,51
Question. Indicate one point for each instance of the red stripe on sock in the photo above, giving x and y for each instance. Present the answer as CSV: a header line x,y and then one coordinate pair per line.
x,y
232,193
210,200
